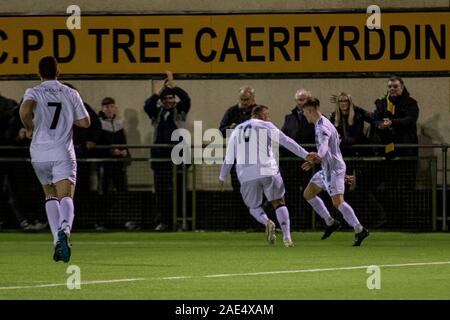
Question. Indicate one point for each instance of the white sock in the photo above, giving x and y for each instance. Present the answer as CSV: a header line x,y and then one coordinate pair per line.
x,y
350,217
66,214
283,219
52,210
321,210
259,215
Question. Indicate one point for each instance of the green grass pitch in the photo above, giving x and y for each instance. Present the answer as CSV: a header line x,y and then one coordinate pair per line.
x,y
227,265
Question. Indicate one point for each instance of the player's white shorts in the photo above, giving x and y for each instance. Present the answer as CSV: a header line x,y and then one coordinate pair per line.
x,y
50,172
252,191
333,183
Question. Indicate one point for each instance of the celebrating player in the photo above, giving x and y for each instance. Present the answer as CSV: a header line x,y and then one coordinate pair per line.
x,y
331,177
250,145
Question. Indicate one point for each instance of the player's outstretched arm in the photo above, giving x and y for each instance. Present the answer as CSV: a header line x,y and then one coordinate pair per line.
x,y
287,142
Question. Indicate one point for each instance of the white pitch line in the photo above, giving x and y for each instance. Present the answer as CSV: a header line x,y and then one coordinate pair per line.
x,y
84,242
412,264
65,284
306,270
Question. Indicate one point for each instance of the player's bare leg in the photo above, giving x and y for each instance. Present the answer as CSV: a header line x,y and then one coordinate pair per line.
x,y
283,219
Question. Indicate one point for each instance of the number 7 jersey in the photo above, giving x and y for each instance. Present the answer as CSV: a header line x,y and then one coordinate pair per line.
x,y
57,107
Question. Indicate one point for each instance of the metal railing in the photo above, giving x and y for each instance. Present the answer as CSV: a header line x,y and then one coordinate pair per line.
x,y
194,180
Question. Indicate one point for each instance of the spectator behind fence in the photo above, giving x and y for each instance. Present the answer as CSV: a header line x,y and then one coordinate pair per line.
x,y
166,115
84,141
296,126
10,191
6,112
395,119
112,176
21,183
236,114
348,120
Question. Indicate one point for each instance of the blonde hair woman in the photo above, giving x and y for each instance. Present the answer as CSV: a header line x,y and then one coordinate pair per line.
x,y
349,122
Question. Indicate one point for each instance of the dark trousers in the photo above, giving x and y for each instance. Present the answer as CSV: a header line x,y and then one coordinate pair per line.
x,y
164,191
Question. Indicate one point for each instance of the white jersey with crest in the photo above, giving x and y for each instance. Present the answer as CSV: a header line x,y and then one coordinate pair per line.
x,y
327,143
250,145
57,107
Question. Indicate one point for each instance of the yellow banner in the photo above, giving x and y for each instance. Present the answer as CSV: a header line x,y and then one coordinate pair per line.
x,y
228,44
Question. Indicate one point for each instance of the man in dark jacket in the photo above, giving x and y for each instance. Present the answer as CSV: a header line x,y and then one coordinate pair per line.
x,y
236,114
112,174
296,126
395,117
166,115
84,142
239,112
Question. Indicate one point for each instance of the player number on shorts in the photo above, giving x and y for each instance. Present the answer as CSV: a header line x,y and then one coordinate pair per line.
x,y
56,105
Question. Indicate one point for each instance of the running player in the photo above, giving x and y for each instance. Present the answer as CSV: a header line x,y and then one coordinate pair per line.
x,y
48,113
332,176
250,145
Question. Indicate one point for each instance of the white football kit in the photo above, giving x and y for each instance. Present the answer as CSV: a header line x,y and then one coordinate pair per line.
x,y
332,176
250,145
52,151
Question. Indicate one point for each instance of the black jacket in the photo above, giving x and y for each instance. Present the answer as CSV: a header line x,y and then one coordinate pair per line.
x,y
112,133
297,127
7,107
166,121
234,115
354,134
82,135
404,120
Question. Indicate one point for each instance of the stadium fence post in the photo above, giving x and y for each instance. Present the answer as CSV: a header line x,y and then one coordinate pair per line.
x,y
433,168
194,179
184,223
174,196
444,187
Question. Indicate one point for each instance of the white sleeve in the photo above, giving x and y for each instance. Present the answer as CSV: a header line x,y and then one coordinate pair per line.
x,y
323,137
29,95
229,157
287,142
79,109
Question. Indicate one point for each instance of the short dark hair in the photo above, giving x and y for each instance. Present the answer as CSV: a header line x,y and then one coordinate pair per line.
x,y
48,67
167,92
108,100
258,110
396,78
312,102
